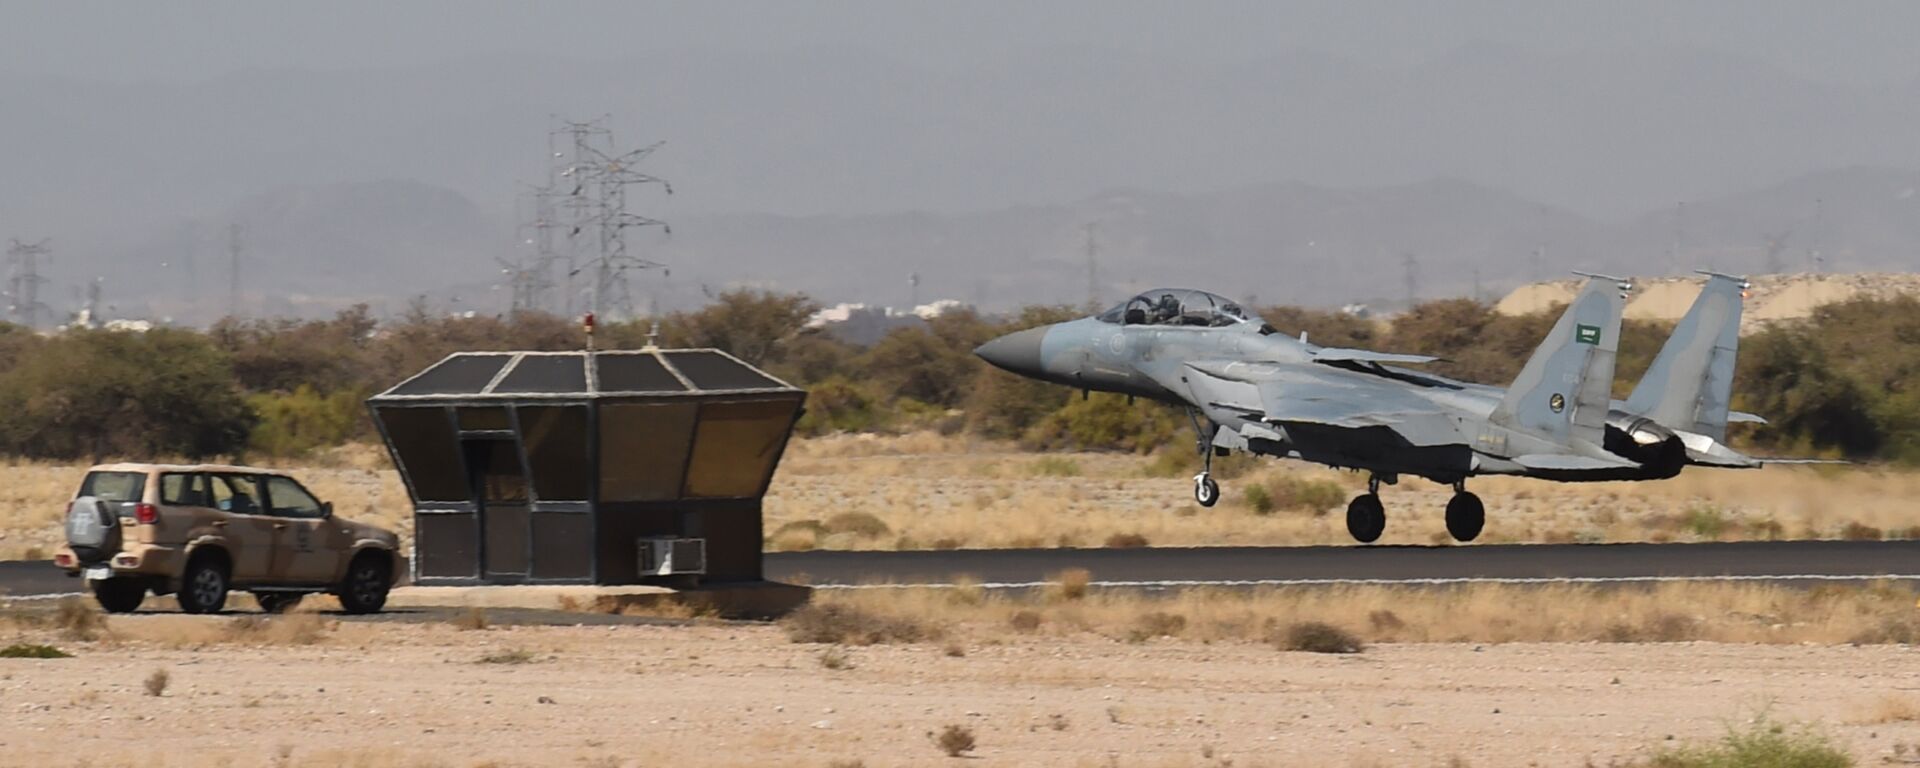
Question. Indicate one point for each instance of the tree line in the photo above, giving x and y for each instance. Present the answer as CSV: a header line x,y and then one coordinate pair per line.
x,y
1832,384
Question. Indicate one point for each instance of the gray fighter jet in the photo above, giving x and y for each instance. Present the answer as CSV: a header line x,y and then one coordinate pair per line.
x,y
1249,388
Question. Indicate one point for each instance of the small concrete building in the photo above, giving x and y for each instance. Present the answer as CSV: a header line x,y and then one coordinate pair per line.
x,y
617,467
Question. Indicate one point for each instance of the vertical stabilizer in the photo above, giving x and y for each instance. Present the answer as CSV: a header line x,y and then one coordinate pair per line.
x,y
1689,386
1566,387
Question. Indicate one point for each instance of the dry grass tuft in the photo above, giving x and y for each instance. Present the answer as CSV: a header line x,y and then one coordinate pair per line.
x,y
470,620
1024,620
954,740
297,628
1071,584
846,624
836,658
1890,708
1153,624
1317,637
510,656
78,619
1126,541
156,682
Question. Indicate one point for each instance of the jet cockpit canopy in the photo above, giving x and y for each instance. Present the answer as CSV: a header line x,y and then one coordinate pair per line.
x,y
1179,306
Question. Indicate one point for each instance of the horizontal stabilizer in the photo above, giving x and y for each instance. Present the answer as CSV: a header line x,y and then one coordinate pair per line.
x,y
1337,355
1723,458
1570,462
1742,417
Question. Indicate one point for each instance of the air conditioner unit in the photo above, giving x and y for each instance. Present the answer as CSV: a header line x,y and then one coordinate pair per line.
x,y
669,556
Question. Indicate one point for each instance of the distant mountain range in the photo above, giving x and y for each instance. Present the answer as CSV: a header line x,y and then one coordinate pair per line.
x,y
311,249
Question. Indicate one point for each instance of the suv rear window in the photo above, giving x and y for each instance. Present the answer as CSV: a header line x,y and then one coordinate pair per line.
x,y
114,486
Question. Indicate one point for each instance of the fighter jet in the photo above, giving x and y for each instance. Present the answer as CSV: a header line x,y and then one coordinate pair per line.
x,y
1249,388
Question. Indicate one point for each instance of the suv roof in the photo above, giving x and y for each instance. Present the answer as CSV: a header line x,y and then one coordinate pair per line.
x,y
148,467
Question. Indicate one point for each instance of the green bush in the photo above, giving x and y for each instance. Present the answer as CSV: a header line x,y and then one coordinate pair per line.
x,y
1292,493
300,422
33,651
839,405
1764,744
1104,422
92,394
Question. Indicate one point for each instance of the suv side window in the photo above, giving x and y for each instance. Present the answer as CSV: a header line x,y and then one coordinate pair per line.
x,y
239,494
184,490
289,499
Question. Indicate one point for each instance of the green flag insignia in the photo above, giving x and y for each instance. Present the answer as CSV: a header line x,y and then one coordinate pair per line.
x,y
1586,334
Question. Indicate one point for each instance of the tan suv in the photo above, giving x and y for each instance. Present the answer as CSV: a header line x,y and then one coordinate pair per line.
x,y
199,531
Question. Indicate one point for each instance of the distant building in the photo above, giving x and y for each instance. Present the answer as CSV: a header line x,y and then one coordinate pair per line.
x,y
863,325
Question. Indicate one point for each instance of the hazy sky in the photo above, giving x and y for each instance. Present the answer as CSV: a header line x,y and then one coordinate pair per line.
x,y
1855,42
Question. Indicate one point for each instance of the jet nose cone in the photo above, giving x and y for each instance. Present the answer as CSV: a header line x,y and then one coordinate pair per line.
x,y
1017,352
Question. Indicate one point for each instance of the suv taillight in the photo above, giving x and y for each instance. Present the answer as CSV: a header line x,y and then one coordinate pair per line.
x,y
147,514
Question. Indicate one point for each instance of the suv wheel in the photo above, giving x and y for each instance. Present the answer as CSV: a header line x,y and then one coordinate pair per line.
x,y
365,588
119,595
204,588
277,602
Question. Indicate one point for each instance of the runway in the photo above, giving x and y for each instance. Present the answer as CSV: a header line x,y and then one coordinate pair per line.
x,y
1784,561
1150,568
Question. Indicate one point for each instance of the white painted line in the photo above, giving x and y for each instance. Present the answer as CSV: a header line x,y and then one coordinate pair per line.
x,y
1387,582
49,596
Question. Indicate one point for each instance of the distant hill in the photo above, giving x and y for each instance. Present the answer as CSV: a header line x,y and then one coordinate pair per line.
x,y
1772,298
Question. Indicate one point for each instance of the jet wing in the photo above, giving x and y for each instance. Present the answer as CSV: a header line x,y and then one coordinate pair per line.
x,y
1570,462
1338,355
1260,393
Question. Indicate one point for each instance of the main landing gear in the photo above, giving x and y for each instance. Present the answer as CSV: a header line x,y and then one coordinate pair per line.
x,y
1367,518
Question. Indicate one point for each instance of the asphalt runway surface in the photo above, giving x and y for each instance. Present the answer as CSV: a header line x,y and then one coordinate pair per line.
x,y
1783,561
1151,568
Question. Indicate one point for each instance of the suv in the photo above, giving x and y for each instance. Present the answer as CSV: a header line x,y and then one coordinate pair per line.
x,y
199,531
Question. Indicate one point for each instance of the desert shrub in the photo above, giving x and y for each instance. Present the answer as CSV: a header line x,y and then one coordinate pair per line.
x,y
1317,637
1260,499
1293,493
955,740
33,651
1384,620
839,405
1126,541
1178,459
1104,422
1764,744
1154,624
1054,466
297,628
1071,584
1706,521
302,421
835,659
98,393
1857,531
78,619
510,656
156,682
842,624
862,524
471,619
1892,630
1024,620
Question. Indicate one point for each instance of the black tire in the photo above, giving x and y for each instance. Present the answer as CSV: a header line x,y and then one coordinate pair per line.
x,y
203,589
369,577
1366,518
277,602
119,595
1466,516
1206,492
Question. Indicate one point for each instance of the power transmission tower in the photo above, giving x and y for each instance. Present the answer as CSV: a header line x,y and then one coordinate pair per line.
x,y
530,278
24,280
1093,265
233,270
597,176
1410,264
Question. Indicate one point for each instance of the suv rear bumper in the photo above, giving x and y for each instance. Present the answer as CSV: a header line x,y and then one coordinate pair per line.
x,y
145,561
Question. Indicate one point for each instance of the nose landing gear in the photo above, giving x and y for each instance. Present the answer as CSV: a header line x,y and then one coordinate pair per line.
x,y
1206,492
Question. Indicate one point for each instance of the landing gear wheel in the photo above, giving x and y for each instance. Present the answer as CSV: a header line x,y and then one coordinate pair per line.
x,y
1465,516
204,590
1366,518
1205,491
365,588
119,595
277,602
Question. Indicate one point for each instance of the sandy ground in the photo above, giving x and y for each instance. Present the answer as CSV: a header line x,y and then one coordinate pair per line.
x,y
394,695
